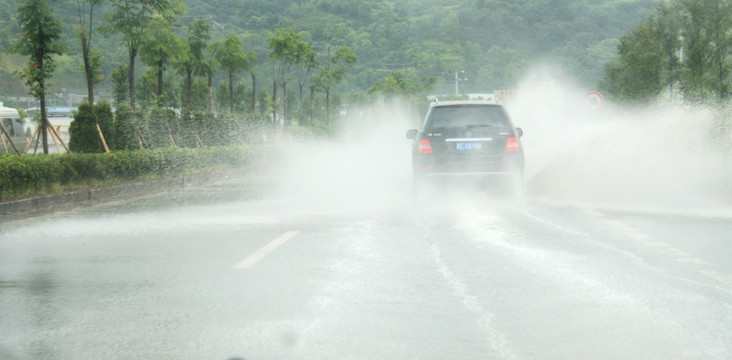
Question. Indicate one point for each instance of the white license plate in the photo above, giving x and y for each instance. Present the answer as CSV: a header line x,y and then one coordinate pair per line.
x,y
468,146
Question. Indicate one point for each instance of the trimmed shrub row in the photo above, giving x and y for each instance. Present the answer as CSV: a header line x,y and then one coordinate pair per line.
x,y
30,174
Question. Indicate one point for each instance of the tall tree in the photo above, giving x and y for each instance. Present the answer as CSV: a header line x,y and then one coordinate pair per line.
x,y
119,84
160,46
305,63
199,34
253,73
92,59
209,67
636,75
720,27
230,55
332,73
697,43
668,21
314,85
284,45
40,31
131,18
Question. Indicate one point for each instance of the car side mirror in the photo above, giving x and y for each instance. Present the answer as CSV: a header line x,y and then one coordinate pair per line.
x,y
412,134
520,131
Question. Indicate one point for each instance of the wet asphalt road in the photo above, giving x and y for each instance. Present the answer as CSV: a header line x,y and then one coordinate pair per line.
x,y
230,271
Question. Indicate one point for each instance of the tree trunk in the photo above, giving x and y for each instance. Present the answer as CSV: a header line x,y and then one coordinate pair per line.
x,y
312,100
159,95
131,76
85,44
302,112
720,91
210,93
44,124
274,101
254,91
189,85
42,85
231,93
87,69
327,106
284,103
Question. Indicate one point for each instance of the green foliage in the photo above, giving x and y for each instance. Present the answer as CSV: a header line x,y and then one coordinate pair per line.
x,y
230,56
334,68
504,71
29,174
637,75
131,19
206,128
193,63
199,95
265,102
83,134
289,50
119,84
223,96
189,127
92,58
127,128
159,47
105,119
310,132
23,114
147,88
397,84
684,45
162,124
493,41
332,73
38,40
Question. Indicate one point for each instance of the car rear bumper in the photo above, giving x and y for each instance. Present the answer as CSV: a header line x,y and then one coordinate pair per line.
x,y
499,182
472,174
498,166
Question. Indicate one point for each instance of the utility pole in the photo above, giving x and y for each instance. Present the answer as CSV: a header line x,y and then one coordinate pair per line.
x,y
457,90
459,76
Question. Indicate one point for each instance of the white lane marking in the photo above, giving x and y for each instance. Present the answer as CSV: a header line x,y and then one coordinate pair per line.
x,y
265,250
680,256
496,339
631,232
693,260
727,279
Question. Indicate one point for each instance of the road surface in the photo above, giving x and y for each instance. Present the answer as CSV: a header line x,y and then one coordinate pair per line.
x,y
236,271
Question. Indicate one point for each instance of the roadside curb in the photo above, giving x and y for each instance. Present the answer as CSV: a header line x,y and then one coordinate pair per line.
x,y
15,209
713,213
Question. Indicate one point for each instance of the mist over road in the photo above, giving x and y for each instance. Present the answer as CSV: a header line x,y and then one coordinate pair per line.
x,y
619,250
235,271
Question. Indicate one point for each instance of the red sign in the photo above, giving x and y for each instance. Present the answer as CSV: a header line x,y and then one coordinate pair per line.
x,y
594,99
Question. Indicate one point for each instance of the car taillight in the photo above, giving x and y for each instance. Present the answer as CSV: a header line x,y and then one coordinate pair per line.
x,y
512,144
424,146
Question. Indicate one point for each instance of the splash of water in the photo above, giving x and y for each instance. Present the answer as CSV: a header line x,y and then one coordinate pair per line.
x,y
667,153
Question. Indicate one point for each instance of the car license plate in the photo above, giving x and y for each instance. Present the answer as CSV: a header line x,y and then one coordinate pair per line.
x,y
468,146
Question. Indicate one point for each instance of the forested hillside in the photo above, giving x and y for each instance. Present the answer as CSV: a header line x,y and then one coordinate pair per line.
x,y
489,42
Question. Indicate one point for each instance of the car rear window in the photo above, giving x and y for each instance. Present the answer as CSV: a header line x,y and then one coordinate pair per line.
x,y
467,116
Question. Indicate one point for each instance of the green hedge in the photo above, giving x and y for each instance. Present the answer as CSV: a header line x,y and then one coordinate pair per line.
x,y
310,132
33,174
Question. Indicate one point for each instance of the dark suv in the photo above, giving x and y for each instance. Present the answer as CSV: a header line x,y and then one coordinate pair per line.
x,y
468,140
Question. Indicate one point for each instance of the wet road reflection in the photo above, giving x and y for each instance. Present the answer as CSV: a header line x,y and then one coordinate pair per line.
x,y
473,277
